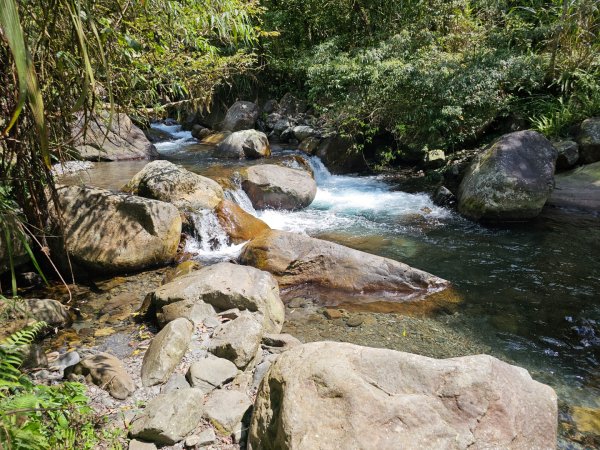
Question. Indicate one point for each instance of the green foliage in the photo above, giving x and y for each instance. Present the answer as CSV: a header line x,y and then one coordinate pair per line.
x,y
36,416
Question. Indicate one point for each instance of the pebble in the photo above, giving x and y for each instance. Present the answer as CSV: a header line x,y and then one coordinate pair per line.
x,y
333,314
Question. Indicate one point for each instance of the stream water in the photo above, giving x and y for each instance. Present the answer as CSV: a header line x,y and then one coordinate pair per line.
x,y
530,293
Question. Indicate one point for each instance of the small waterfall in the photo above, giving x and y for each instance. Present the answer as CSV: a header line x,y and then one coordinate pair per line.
x,y
210,243
179,138
320,171
239,197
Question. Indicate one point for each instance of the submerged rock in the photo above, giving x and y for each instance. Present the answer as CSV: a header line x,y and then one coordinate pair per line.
x,y
162,180
296,259
272,186
240,116
239,225
589,140
113,138
337,395
511,180
226,286
165,351
243,144
108,232
170,417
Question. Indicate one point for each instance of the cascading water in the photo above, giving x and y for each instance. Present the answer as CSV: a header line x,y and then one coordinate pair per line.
x,y
210,243
179,138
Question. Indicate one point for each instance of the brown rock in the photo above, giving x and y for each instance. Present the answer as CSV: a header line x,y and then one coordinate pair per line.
x,y
239,225
107,372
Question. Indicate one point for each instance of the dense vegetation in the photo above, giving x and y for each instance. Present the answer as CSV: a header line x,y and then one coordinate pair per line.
x,y
437,73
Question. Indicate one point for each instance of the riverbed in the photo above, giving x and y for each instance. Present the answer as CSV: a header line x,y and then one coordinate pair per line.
x,y
528,294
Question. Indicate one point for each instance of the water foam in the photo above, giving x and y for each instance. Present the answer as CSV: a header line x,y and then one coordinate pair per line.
x,y
210,243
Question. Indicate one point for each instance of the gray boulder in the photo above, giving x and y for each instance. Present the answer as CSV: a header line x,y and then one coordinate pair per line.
x,y
241,116
226,409
165,351
111,138
296,260
272,186
164,181
211,373
243,144
509,181
339,155
170,417
200,132
337,395
303,132
192,310
53,312
108,232
589,140
238,340
226,286
108,372
568,154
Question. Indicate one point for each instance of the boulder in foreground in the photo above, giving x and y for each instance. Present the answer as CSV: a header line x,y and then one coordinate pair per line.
x,y
337,395
108,232
511,180
295,259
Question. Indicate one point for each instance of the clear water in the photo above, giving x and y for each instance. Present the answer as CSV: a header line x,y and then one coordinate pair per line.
x,y
532,292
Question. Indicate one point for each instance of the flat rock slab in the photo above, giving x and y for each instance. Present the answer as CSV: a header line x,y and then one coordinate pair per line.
x,y
578,189
296,259
165,351
227,286
168,418
210,373
225,409
336,395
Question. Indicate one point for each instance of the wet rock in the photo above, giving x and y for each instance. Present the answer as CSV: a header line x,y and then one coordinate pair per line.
x,y
216,138
240,116
134,444
164,181
200,132
568,154
509,181
272,186
244,144
238,340
589,140
337,395
165,351
225,410
195,311
239,225
587,420
168,418
443,197
211,373
183,268
54,313
296,259
108,232
109,138
176,382
227,286
339,156
107,372
578,189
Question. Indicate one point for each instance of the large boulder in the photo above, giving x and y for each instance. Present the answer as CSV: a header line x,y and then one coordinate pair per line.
x,y
226,286
272,186
165,351
239,225
108,232
337,395
511,180
589,140
162,180
111,138
339,156
170,417
243,144
296,260
241,116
